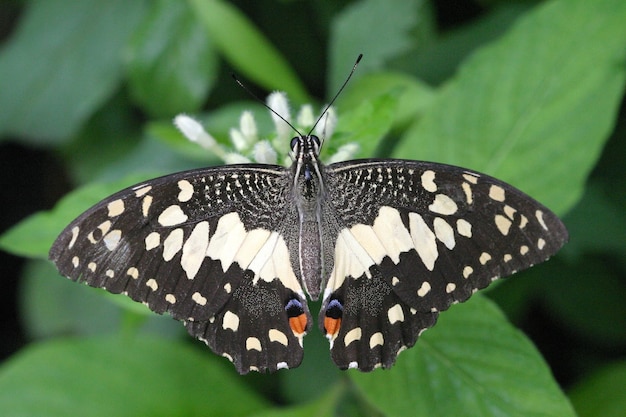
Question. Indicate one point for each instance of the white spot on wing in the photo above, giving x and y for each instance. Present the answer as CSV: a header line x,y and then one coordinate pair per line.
x,y
227,239
428,181
199,299
367,238
523,221
539,215
395,314
541,243
392,233
112,239
509,211
142,190
186,191
444,232
464,228
523,250
145,205
471,177
172,244
75,231
152,284
133,272
194,249
170,298
451,286
377,339
503,224
351,259
231,321
423,240
172,216
467,271
443,205
424,289
252,343
75,261
252,243
276,335
104,228
484,258
152,240
115,208
496,193
467,189
352,336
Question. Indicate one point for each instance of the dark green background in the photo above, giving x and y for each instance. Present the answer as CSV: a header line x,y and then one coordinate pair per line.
x,y
529,92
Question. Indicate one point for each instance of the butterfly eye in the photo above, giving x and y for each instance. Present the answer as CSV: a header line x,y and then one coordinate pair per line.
x,y
294,143
316,141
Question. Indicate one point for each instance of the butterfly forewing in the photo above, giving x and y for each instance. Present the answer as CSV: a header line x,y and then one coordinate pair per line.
x,y
414,238
207,247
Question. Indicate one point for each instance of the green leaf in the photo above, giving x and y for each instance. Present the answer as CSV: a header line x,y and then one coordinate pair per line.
x,y
52,305
602,394
414,96
322,407
367,124
535,108
472,363
109,135
110,376
436,61
217,123
172,64
53,80
588,284
247,49
597,214
33,236
380,29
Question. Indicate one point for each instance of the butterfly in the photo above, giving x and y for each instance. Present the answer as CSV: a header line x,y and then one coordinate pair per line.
x,y
233,251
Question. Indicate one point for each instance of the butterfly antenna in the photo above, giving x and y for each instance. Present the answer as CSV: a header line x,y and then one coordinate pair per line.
x,y
247,90
356,64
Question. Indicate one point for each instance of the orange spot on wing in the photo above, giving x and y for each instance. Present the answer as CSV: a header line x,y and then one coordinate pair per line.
x,y
332,326
298,324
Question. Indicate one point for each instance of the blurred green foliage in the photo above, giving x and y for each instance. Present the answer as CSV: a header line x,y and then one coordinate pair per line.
x,y
529,92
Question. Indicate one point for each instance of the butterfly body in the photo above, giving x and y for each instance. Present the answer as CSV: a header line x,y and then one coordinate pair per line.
x,y
232,251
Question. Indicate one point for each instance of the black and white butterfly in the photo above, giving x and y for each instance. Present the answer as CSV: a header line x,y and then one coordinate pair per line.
x,y
232,251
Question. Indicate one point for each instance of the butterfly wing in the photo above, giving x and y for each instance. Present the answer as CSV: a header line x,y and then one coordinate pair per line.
x,y
414,238
206,247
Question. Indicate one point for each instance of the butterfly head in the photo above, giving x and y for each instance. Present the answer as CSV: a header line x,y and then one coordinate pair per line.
x,y
305,150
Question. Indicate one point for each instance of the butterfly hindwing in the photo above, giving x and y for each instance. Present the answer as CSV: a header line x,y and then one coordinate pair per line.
x,y
207,247
414,238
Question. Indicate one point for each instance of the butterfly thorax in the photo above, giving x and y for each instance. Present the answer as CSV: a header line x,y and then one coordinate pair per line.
x,y
308,194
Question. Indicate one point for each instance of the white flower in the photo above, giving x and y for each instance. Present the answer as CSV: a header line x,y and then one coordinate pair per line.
x,y
264,153
305,116
344,153
327,124
248,147
247,126
193,130
277,101
235,158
